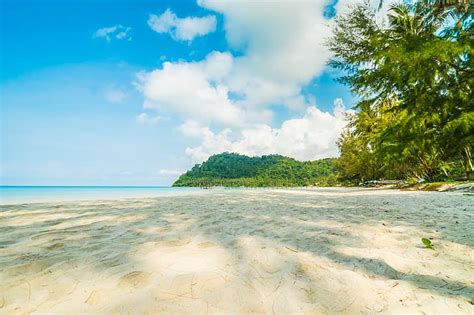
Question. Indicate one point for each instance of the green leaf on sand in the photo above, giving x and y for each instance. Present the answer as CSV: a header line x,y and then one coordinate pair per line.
x,y
427,243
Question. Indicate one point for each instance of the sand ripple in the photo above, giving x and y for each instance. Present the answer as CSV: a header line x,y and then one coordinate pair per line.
x,y
240,251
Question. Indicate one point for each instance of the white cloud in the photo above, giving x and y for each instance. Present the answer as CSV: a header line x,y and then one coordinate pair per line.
x,y
282,44
195,90
182,29
310,137
281,48
118,31
145,119
170,172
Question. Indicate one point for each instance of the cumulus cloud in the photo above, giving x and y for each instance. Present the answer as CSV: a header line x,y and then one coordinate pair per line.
x,y
118,31
282,50
226,99
145,119
195,90
310,137
282,44
182,29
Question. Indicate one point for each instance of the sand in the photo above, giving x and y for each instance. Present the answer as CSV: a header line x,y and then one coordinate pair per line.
x,y
320,251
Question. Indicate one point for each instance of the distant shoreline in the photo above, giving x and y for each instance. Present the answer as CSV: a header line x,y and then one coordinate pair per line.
x,y
434,186
44,194
15,195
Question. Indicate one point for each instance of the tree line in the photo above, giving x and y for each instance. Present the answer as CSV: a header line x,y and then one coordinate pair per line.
x,y
235,170
413,81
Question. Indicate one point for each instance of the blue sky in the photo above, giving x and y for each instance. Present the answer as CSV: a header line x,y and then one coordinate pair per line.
x,y
134,92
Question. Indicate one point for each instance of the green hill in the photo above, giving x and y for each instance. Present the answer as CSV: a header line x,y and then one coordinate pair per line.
x,y
234,170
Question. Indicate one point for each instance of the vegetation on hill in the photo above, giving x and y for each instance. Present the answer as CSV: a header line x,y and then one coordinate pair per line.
x,y
234,170
414,82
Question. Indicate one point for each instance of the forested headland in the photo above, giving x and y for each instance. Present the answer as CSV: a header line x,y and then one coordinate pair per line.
x,y
235,170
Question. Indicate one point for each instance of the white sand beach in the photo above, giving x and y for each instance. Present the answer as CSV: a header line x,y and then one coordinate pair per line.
x,y
321,251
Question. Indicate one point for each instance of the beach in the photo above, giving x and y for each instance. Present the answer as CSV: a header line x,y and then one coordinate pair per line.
x,y
273,251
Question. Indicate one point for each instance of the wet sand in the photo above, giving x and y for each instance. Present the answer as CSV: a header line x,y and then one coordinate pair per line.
x,y
318,251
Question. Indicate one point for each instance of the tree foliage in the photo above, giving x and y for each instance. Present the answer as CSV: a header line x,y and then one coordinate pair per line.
x,y
414,81
232,169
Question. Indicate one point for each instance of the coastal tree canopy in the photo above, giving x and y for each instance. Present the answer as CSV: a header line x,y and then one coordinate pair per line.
x,y
232,169
414,82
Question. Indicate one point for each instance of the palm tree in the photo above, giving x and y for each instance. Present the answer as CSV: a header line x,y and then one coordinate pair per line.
x,y
426,16
414,19
461,6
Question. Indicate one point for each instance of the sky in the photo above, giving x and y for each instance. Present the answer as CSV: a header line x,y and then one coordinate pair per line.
x,y
136,92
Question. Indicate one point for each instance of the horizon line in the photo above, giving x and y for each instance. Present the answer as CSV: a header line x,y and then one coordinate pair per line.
x,y
90,186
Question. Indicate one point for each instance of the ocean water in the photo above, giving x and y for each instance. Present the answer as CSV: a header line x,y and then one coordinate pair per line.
x,y
30,194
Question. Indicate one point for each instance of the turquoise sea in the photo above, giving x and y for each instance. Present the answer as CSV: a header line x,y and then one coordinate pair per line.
x,y
28,194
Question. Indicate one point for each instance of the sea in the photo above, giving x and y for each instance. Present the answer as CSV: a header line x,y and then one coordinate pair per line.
x,y
34,194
